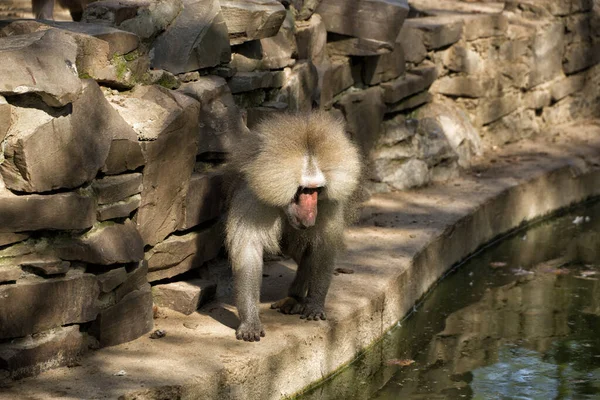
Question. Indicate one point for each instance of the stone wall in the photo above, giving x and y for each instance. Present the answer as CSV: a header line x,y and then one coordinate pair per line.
x,y
114,131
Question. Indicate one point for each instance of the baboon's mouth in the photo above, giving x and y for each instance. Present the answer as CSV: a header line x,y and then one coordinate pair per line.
x,y
304,206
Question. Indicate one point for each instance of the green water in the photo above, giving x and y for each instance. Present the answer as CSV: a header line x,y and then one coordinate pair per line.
x,y
520,320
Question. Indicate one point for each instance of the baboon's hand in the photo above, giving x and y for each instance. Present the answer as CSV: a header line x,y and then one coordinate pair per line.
x,y
313,312
250,331
289,305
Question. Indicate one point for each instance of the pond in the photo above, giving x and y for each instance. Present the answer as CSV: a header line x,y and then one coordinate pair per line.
x,y
519,320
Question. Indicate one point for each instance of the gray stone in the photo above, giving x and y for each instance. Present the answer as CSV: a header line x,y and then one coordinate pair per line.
x,y
166,122
343,45
483,26
109,280
256,114
162,78
38,304
457,128
491,109
111,189
461,86
51,72
547,54
300,87
248,81
305,8
196,39
136,279
462,59
64,211
335,76
383,23
250,99
579,56
416,80
364,111
558,7
47,267
252,19
409,103
119,42
180,253
437,31
411,39
311,40
142,17
220,121
274,52
204,200
10,238
9,272
578,28
64,152
401,174
127,320
385,67
567,86
34,354
5,117
537,99
186,296
511,128
107,243
125,153
120,209
396,130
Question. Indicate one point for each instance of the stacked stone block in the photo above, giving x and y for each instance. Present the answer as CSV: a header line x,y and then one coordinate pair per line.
x,y
114,133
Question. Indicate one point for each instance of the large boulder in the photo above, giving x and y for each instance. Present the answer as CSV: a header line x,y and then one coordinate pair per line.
x,y
60,211
220,121
145,18
48,149
37,304
180,253
377,20
196,39
252,19
167,126
107,243
49,66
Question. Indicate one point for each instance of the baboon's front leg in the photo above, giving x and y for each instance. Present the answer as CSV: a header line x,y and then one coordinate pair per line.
x,y
247,274
321,264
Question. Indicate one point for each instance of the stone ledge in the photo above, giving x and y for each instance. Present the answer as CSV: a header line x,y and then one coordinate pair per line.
x,y
404,243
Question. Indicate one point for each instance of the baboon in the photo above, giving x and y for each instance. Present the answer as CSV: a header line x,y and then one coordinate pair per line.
x,y
289,168
44,9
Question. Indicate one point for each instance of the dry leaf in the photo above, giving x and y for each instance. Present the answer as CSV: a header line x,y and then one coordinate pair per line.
x,y
498,264
404,362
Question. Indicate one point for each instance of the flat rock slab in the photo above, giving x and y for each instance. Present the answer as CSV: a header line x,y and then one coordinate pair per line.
x,y
397,252
196,39
252,19
50,57
45,151
64,211
380,20
185,296
42,304
120,42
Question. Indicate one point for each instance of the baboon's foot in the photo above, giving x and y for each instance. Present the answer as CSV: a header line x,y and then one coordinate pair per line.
x,y
313,312
250,331
289,305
